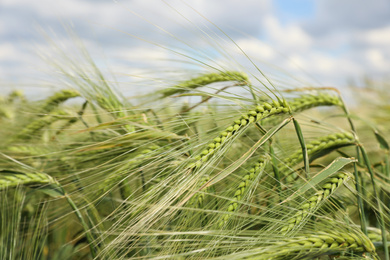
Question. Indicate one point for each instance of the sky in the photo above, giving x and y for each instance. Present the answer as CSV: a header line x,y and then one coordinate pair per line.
x,y
323,42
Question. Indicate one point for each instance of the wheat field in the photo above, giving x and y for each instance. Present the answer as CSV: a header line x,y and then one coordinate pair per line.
x,y
223,163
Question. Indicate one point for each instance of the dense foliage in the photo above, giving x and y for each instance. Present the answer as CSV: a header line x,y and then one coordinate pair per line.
x,y
246,171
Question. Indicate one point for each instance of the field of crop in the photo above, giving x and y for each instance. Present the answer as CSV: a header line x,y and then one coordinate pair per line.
x,y
223,164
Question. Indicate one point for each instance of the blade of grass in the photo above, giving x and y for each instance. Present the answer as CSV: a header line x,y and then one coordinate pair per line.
x,y
331,169
362,215
57,191
382,141
303,146
275,169
380,210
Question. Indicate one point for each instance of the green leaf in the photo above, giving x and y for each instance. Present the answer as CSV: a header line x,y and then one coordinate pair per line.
x,y
52,190
324,152
331,169
381,140
379,203
303,146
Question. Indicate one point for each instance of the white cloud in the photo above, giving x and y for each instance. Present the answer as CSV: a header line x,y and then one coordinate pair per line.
x,y
377,60
331,47
146,55
379,36
348,16
289,38
55,9
323,64
8,52
256,48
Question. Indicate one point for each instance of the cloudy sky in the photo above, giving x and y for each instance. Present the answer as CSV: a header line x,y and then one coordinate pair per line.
x,y
328,42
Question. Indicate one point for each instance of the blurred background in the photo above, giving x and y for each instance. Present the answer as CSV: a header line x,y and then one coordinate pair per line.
x,y
329,43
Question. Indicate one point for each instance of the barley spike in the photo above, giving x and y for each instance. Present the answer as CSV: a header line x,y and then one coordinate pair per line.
x,y
305,102
255,115
312,245
327,189
40,123
204,80
315,146
61,96
27,179
244,184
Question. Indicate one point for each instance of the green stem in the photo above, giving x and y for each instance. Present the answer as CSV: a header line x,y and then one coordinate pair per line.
x,y
254,96
83,223
262,130
362,216
380,210
81,113
359,183
345,109
387,165
97,116
303,146
276,170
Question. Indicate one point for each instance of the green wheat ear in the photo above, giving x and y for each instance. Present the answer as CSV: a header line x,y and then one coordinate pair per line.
x,y
375,235
265,111
312,203
252,116
11,180
16,94
205,79
305,102
34,127
245,183
59,97
318,243
260,112
315,148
